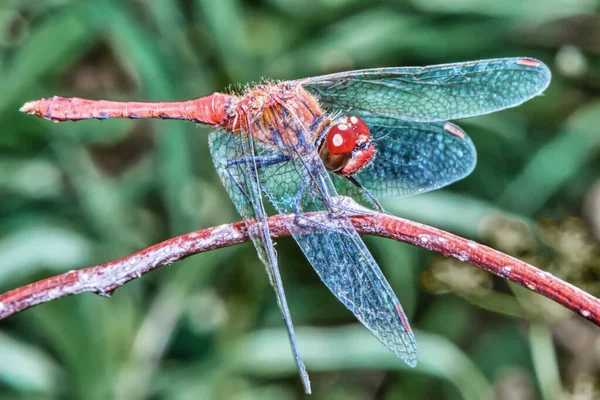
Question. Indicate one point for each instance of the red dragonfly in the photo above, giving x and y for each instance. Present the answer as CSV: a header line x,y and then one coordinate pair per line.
x,y
367,134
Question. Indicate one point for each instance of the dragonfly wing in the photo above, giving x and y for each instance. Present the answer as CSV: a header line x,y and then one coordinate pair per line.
x,y
434,93
235,157
345,265
338,254
412,157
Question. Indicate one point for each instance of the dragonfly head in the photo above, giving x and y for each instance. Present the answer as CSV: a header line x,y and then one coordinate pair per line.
x,y
347,147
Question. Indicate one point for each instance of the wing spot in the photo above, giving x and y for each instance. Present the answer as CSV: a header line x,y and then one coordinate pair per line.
x,y
403,318
453,129
528,62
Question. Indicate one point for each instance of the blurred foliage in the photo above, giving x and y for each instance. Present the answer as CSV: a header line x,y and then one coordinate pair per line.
x,y
74,195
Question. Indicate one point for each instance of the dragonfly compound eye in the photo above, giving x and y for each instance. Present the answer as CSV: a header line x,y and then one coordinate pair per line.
x,y
339,144
341,138
361,129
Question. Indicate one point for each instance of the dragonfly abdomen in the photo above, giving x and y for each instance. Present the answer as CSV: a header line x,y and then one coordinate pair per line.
x,y
210,110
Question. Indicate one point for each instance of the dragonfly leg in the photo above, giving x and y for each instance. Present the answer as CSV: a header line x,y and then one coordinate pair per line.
x,y
303,185
336,207
301,220
260,162
367,193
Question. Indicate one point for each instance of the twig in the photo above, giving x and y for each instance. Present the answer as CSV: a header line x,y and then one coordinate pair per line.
x,y
105,278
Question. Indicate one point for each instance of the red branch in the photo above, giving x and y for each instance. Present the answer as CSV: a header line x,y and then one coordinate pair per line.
x,y
104,279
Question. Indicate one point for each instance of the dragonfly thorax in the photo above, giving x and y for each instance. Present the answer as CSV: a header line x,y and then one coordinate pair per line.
x,y
277,115
347,148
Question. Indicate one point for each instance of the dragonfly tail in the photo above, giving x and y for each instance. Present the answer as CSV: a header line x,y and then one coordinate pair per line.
x,y
210,110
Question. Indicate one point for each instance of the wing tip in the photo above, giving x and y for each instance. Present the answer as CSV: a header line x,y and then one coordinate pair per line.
x,y
536,65
410,356
411,362
305,382
457,131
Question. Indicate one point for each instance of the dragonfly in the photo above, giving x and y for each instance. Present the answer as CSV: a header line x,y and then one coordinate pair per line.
x,y
305,144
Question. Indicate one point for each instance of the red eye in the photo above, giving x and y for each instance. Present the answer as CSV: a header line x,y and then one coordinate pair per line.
x,y
347,149
341,138
359,125
361,129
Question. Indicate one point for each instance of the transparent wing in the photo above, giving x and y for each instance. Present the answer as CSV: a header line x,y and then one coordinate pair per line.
x,y
412,157
337,252
235,157
434,93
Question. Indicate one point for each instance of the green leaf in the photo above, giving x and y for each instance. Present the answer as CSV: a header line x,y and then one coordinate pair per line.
x,y
26,368
266,353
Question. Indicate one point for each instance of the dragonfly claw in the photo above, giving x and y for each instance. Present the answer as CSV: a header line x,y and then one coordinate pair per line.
x,y
348,206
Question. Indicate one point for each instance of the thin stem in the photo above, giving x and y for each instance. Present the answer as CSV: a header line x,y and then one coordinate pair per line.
x,y
105,278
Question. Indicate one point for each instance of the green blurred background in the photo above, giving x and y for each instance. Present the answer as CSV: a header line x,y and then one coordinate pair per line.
x,y
74,195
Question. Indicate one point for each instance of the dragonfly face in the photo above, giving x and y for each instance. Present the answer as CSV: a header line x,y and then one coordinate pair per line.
x,y
347,147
